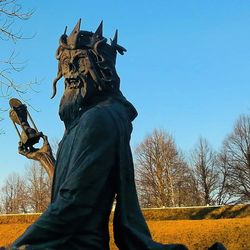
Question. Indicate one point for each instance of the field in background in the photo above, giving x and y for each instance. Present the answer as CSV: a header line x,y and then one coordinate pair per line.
x,y
200,234
197,228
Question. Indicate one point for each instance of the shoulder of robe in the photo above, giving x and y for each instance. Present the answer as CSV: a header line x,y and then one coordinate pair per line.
x,y
98,117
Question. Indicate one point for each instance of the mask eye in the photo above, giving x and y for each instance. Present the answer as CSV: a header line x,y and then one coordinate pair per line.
x,y
66,62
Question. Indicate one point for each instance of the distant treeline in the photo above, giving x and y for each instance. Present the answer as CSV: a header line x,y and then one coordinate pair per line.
x,y
167,178
164,176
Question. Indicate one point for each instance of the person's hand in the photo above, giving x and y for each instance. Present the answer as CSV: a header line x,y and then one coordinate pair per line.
x,y
35,153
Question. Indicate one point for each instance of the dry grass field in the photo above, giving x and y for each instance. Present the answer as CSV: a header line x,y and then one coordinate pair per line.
x,y
196,234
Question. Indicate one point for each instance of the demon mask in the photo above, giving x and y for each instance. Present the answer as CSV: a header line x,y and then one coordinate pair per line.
x,y
87,61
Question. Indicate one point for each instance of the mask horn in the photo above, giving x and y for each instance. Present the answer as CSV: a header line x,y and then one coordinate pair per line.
x,y
115,39
65,30
72,38
63,39
76,28
99,31
115,45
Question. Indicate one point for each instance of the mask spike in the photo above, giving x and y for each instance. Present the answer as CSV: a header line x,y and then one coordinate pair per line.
x,y
76,28
72,38
99,31
65,30
115,39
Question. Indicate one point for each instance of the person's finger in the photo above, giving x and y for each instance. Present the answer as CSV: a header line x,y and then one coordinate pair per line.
x,y
23,152
21,149
45,139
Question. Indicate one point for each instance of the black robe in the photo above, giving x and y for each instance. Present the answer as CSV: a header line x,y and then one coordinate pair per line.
x,y
94,165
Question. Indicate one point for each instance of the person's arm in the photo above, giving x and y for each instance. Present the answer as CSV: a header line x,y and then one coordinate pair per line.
x,y
43,155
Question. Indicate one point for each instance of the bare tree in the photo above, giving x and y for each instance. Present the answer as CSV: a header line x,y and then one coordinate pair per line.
x,y
12,11
38,187
11,15
54,146
203,160
28,193
236,149
14,195
188,192
224,192
160,171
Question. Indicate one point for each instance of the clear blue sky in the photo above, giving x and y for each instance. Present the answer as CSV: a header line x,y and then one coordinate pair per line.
x,y
187,68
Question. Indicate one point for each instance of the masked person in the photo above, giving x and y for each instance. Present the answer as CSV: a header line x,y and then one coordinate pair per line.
x,y
94,164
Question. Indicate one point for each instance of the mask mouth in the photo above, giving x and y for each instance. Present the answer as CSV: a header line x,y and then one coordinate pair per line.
x,y
73,82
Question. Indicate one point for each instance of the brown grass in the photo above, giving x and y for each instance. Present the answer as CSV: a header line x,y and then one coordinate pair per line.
x,y
200,234
18,218
195,234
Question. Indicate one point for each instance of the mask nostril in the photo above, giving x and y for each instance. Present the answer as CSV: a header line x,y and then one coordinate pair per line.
x,y
71,66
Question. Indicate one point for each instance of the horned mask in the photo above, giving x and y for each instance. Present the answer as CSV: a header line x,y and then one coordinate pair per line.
x,y
87,57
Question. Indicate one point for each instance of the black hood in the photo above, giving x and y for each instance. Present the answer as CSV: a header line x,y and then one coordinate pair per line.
x,y
132,112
